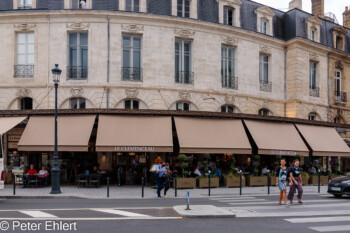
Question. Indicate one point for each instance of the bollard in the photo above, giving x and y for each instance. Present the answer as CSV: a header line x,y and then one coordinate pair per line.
x,y
240,182
14,185
209,185
175,186
107,187
118,176
188,201
319,181
146,179
268,182
143,186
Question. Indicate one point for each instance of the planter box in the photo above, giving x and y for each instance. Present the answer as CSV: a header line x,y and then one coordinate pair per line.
x,y
204,182
305,180
273,180
323,180
186,183
256,181
233,182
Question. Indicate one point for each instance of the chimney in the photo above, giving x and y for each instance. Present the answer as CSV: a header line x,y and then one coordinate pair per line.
x,y
318,8
346,17
296,4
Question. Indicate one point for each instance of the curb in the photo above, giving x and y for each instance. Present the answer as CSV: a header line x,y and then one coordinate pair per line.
x,y
41,197
203,211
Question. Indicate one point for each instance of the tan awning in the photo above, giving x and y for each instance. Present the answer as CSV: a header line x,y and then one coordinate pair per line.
x,y
276,138
212,136
324,141
134,134
7,123
73,133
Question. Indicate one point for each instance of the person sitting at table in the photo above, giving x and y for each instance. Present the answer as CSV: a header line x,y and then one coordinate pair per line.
x,y
95,170
43,174
31,172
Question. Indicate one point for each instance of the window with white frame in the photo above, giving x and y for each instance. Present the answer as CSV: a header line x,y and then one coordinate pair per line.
x,y
82,4
337,89
183,61
228,67
227,108
313,34
77,103
25,55
182,106
131,104
263,26
312,116
131,69
78,55
132,5
25,4
264,112
313,75
229,16
183,8
263,68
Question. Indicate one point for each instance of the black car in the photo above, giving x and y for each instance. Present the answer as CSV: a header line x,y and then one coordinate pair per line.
x,y
339,186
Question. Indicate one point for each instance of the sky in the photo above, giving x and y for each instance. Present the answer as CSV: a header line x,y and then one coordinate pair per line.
x,y
335,6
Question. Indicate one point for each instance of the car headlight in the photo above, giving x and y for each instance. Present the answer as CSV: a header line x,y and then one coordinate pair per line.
x,y
346,182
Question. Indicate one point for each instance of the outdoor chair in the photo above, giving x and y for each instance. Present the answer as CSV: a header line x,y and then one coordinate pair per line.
x,y
82,179
33,180
95,179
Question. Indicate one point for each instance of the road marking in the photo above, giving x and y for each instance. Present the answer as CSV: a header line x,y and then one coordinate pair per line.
x,y
319,219
240,201
275,202
121,212
112,208
300,206
287,213
38,214
331,228
226,198
91,219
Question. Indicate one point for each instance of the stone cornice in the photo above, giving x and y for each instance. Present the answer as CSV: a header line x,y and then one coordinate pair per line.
x,y
314,20
265,11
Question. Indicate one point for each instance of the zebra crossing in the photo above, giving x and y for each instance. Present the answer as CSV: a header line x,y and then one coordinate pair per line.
x,y
338,223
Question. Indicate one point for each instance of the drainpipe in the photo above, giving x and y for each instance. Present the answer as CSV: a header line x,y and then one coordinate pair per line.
x,y
328,88
108,60
285,81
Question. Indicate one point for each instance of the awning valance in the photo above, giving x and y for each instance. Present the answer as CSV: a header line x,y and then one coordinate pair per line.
x,y
324,141
7,123
73,133
276,138
134,134
212,136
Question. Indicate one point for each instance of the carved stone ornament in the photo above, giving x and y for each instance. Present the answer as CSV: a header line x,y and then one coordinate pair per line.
x,y
23,92
76,91
132,28
314,57
229,40
131,93
233,2
184,33
77,26
184,95
24,27
229,99
264,49
339,65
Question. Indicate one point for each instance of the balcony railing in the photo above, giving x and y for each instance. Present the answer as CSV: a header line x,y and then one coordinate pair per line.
x,y
24,5
77,72
23,71
229,82
265,86
314,91
341,96
185,77
132,74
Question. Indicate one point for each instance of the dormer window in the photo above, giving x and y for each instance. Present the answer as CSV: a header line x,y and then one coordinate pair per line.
x,y
339,37
77,4
313,28
229,16
25,4
82,4
263,26
264,16
313,34
133,5
183,8
339,43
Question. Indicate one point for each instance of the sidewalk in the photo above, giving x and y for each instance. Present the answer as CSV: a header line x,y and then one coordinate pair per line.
x,y
134,192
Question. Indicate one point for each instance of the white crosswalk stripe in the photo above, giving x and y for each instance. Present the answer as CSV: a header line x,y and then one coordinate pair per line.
x,y
38,214
332,220
120,212
344,228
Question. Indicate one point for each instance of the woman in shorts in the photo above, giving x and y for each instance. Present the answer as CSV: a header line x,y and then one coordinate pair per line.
x,y
281,178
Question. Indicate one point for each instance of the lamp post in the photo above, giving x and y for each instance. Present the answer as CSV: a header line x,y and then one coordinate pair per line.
x,y
55,171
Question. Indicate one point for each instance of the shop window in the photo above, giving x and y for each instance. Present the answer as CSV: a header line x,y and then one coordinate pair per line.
x,y
182,106
312,116
77,103
264,112
131,104
26,103
227,108
229,16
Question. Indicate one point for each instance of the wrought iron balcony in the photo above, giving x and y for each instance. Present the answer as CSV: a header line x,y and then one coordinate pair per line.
x,y
132,74
265,86
229,82
341,96
23,71
185,77
314,91
77,72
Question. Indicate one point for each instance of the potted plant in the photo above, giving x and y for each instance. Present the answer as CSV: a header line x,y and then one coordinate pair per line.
x,y
203,181
233,179
305,177
256,180
184,182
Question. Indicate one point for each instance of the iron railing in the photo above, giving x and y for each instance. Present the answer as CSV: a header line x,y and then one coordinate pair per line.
x,y
185,77
314,91
132,74
77,72
265,86
23,71
341,96
229,82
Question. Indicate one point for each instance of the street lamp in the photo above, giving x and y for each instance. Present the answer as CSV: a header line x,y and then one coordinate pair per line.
x,y
55,171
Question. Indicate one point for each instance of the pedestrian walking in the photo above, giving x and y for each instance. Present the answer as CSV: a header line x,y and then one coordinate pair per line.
x,y
281,180
160,177
296,182
167,178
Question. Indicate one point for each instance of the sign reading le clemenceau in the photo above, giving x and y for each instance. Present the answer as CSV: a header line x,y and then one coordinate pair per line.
x,y
283,152
134,148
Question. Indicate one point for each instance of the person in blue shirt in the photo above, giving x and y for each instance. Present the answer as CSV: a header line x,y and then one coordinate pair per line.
x,y
160,177
216,171
281,180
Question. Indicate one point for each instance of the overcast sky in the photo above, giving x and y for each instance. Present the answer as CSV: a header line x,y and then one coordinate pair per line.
x,y
335,6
